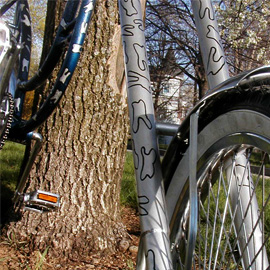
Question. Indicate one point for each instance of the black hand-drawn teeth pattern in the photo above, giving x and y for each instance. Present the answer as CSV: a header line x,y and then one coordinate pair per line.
x,y
139,24
135,156
129,7
141,56
150,253
128,29
137,79
125,52
138,107
215,62
148,163
143,200
212,61
211,34
205,11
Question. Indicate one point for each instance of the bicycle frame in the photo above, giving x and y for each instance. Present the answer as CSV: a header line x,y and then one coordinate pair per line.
x,y
21,128
152,204
152,207
154,216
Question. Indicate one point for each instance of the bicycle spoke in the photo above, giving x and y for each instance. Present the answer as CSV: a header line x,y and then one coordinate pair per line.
x,y
224,243
214,226
255,224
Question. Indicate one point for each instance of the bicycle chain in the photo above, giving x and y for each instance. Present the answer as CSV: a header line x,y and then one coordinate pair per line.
x,y
8,122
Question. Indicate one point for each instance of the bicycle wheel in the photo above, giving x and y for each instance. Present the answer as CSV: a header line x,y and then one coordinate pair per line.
x,y
233,187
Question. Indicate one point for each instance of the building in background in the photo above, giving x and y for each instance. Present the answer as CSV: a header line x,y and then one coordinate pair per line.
x,y
173,96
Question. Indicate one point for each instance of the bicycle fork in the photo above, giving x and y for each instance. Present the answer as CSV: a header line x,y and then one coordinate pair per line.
x,y
246,213
243,200
152,208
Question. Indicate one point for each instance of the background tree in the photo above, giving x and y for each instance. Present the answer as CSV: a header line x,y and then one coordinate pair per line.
x,y
84,149
38,13
170,22
170,26
172,95
244,29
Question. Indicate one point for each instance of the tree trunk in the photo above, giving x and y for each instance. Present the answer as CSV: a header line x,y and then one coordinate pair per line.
x,y
83,151
201,77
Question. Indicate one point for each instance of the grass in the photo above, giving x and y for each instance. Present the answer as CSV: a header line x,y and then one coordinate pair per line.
x,y
207,223
19,255
40,259
128,194
11,157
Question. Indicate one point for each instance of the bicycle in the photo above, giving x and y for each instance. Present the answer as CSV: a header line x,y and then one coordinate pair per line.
x,y
210,182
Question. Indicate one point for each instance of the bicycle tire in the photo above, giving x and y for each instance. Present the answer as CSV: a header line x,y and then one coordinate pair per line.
x,y
241,122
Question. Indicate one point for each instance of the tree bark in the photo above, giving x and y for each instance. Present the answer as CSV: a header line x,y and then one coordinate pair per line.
x,y
83,151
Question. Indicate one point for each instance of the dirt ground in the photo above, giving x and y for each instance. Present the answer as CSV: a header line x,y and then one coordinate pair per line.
x,y
15,256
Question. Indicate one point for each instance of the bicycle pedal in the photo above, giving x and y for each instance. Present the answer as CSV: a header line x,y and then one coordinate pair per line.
x,y
41,201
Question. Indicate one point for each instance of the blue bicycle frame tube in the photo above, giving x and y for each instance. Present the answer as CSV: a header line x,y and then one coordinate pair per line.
x,y
64,75
152,208
56,50
25,40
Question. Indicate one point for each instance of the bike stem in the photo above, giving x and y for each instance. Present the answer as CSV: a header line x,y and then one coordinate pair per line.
x,y
151,195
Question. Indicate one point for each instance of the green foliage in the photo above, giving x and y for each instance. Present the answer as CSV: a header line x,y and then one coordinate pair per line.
x,y
40,259
27,262
130,265
128,194
11,240
38,15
